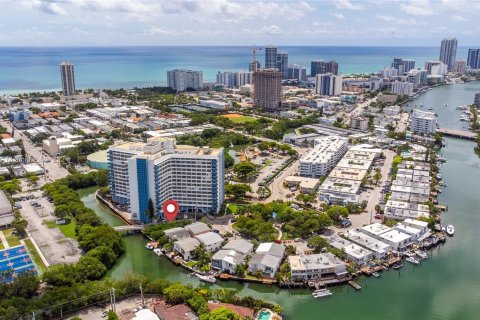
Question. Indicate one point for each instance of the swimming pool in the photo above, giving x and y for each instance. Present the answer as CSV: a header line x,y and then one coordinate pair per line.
x,y
264,315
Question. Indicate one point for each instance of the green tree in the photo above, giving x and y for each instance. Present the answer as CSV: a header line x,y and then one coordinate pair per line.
x,y
177,293
377,176
89,268
33,179
317,243
336,212
240,270
237,190
112,315
104,254
221,313
244,169
229,161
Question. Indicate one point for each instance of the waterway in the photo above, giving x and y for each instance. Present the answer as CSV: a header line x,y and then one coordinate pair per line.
x,y
445,286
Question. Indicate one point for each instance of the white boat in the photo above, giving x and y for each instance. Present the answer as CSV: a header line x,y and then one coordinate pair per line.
x,y
321,293
158,252
450,230
412,260
421,254
149,246
209,279
376,275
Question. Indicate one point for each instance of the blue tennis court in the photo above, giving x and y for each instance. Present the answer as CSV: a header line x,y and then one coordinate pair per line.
x,y
14,261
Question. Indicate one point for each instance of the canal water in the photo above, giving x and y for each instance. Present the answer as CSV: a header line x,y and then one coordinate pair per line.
x,y
445,286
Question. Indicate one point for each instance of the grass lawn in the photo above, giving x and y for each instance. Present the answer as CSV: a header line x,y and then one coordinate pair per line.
x,y
11,238
232,208
35,256
68,229
1,245
238,118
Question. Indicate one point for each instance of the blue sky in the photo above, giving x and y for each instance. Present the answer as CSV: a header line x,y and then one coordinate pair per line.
x,y
243,22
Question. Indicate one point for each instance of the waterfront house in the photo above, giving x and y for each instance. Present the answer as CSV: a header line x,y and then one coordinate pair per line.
x,y
271,248
176,312
197,228
185,247
378,248
267,259
316,266
241,246
227,260
352,251
211,240
231,255
177,233
243,312
265,264
396,239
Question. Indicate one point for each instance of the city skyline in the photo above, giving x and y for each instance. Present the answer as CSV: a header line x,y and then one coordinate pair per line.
x,y
137,22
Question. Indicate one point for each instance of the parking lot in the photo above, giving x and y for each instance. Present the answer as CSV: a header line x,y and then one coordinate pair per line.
x,y
52,242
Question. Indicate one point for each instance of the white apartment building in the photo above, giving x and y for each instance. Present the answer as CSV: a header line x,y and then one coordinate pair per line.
x,y
402,88
328,84
423,122
181,79
323,157
161,170
359,123
314,266
388,72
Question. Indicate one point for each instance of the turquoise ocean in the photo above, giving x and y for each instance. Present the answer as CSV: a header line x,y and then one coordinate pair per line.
x,y
25,69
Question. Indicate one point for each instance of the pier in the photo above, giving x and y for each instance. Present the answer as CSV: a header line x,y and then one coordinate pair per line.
x,y
354,285
458,133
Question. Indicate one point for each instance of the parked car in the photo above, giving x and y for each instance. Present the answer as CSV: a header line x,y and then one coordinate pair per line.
x,y
104,314
345,223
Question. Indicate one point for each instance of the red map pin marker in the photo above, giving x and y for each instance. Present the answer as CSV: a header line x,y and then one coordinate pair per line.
x,y
170,209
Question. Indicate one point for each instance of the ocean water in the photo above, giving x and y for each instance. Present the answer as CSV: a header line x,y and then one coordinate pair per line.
x,y
36,69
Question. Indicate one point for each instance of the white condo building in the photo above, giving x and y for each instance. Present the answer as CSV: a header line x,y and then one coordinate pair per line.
x,y
402,88
328,84
423,122
181,79
323,157
161,170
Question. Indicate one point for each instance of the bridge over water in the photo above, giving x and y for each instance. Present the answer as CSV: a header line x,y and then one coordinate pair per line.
x,y
135,227
458,133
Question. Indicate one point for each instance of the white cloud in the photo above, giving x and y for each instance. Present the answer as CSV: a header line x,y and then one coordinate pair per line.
x,y
346,4
401,21
339,16
45,6
271,30
458,18
127,6
418,8
155,31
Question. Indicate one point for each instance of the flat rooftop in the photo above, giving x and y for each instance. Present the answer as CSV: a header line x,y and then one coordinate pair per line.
x,y
375,229
340,185
348,173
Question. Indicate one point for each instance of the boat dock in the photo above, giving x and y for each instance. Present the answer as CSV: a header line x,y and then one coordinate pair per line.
x,y
354,285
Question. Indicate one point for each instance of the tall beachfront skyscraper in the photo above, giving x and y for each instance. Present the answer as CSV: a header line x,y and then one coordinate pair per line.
x,y
160,170
448,52
181,79
268,89
68,78
403,65
473,60
282,64
321,67
270,57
